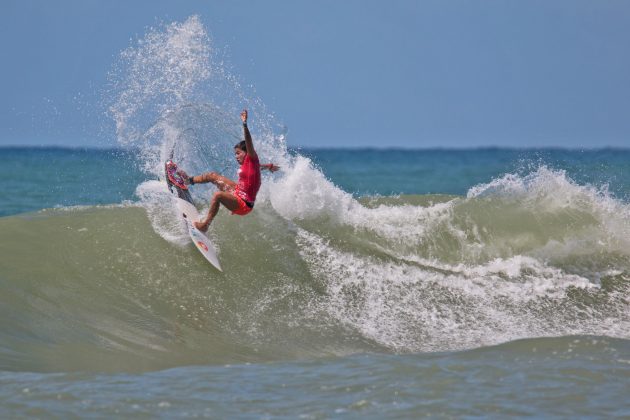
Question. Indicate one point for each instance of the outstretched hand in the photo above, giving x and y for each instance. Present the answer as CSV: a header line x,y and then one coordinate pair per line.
x,y
273,168
244,115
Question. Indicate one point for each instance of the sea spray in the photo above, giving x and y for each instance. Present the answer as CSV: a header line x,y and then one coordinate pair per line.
x,y
174,89
174,97
162,72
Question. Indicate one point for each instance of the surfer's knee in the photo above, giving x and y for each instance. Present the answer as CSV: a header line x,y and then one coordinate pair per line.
x,y
218,197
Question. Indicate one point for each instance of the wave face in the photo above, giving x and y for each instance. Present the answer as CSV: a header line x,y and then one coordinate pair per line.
x,y
313,271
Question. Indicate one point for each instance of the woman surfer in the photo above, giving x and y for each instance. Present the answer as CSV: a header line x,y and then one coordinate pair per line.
x,y
238,197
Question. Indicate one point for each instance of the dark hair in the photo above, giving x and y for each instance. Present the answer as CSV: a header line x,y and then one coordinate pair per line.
x,y
241,145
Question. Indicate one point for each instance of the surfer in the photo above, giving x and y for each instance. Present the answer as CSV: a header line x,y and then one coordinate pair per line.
x,y
238,197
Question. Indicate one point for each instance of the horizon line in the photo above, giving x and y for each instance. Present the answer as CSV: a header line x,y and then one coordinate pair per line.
x,y
338,148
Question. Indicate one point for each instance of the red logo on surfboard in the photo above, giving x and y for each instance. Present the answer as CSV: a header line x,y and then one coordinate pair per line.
x,y
202,245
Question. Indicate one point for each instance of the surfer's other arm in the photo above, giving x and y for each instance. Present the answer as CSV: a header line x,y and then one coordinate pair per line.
x,y
271,167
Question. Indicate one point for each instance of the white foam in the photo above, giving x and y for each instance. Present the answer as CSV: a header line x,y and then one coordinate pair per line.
x,y
303,193
411,301
411,308
156,199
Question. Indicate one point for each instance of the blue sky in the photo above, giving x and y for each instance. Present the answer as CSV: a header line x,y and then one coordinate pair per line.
x,y
352,73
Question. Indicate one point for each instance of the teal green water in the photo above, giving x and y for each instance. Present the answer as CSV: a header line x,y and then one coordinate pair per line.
x,y
387,172
39,178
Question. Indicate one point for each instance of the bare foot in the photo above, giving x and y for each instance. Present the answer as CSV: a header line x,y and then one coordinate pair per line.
x,y
202,226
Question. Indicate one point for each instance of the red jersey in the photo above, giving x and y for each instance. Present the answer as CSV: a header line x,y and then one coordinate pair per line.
x,y
249,179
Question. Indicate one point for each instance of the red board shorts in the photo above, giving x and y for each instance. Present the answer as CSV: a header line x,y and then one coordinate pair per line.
x,y
243,208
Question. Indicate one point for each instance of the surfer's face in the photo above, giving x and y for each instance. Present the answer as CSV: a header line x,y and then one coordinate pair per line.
x,y
240,155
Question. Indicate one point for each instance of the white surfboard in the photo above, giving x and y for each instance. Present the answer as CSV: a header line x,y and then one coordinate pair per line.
x,y
189,214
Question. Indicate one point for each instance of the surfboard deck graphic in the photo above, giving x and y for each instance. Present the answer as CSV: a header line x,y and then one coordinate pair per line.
x,y
188,212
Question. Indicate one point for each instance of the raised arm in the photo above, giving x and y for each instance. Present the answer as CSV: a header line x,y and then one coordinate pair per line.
x,y
248,137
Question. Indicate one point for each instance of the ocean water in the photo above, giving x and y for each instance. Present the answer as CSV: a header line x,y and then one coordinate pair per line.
x,y
505,295
366,283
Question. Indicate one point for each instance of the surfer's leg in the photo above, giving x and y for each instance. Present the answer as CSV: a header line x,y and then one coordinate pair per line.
x,y
219,197
222,183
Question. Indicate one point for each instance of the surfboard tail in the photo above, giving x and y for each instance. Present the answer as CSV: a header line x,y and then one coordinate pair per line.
x,y
203,244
